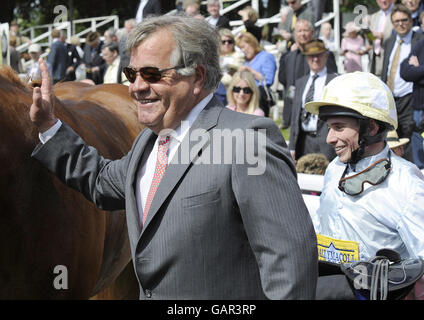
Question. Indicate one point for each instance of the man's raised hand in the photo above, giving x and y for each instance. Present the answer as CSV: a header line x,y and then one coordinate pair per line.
x,y
41,111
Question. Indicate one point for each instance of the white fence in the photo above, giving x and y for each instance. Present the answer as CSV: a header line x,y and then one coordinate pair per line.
x,y
45,38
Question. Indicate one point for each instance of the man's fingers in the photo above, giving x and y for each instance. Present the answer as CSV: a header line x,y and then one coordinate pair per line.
x,y
46,83
36,96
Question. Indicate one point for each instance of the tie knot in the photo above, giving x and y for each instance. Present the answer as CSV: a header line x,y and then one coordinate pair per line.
x,y
400,41
314,77
164,141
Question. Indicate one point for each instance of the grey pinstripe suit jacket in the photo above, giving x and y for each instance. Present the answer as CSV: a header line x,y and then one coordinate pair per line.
x,y
213,231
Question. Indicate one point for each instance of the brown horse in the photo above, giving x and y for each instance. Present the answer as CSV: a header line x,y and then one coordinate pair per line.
x,y
43,223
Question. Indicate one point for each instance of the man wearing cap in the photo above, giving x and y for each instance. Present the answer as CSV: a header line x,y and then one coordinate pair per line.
x,y
307,132
372,198
33,70
293,65
396,49
395,143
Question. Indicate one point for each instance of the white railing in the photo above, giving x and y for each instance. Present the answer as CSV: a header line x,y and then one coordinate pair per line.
x,y
94,24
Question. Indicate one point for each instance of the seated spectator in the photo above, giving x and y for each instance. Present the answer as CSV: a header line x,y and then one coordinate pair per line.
x,y
298,11
243,94
396,144
112,69
249,17
312,163
215,19
352,48
326,35
92,57
230,59
260,63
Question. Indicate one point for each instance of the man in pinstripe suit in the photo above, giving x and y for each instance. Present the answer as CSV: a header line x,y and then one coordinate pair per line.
x,y
211,230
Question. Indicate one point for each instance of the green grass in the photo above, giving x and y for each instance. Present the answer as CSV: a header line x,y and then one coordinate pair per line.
x,y
284,132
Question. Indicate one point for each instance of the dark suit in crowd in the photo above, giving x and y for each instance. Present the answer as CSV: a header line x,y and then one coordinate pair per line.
x,y
293,66
415,74
317,139
92,58
58,60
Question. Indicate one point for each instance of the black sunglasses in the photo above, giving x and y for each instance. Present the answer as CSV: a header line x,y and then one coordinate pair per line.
x,y
246,90
149,74
227,41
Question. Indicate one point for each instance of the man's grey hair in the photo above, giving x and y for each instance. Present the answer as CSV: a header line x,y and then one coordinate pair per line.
x,y
197,43
111,31
309,23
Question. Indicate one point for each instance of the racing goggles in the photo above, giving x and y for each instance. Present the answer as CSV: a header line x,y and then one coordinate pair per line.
x,y
374,175
149,74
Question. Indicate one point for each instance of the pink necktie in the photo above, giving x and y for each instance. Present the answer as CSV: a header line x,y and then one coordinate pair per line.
x,y
161,163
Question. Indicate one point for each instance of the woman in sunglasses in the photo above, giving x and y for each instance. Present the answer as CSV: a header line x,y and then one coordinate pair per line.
x,y
229,59
243,94
372,198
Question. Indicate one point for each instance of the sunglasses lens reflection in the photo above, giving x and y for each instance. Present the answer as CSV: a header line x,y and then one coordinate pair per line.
x,y
149,74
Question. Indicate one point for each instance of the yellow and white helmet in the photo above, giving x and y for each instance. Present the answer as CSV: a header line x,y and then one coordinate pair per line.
x,y
362,92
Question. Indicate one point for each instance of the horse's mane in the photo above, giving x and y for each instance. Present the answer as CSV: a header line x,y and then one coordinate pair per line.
x,y
10,75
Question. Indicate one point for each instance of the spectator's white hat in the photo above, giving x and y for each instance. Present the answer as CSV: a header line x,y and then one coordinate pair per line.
x,y
394,141
34,48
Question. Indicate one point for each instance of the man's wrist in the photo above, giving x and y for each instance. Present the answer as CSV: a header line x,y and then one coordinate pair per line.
x,y
47,125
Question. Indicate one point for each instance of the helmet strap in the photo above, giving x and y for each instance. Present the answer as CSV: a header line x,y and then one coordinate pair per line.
x,y
365,140
362,141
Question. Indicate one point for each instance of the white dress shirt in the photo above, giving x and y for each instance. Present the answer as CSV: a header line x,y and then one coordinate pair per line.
x,y
319,85
401,87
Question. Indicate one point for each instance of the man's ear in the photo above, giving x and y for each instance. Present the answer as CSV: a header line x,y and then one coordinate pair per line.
x,y
200,78
374,127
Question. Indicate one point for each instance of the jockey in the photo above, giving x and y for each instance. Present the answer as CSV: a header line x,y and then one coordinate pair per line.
x,y
372,198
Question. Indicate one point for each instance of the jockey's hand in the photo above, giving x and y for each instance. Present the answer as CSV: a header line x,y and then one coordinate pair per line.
x,y
41,111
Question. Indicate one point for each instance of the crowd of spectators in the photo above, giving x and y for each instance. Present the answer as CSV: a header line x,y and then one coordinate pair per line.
x,y
101,57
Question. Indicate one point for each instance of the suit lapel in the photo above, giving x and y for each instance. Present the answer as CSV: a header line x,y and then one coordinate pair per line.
x,y
141,151
206,120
